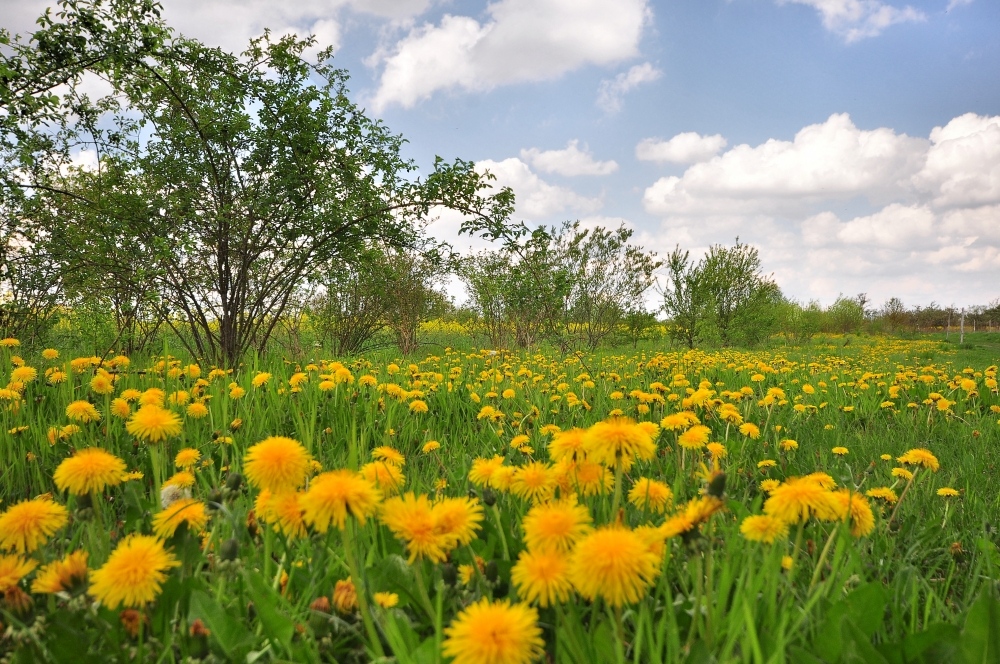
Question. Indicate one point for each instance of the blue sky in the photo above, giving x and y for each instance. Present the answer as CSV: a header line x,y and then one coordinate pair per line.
x,y
856,143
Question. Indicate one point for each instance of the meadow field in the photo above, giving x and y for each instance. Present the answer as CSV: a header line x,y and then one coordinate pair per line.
x,y
837,502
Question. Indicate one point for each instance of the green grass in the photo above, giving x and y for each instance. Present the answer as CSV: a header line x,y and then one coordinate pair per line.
x,y
918,589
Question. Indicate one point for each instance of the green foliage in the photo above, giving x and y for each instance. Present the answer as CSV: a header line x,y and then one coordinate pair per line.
x,y
228,180
571,286
723,297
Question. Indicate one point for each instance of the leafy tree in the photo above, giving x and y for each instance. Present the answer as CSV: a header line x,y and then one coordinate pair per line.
x,y
231,179
608,279
685,302
519,290
846,315
741,297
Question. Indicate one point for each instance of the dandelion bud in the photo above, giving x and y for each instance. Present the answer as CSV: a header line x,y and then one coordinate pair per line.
x,y
489,497
230,549
717,486
449,574
491,572
234,481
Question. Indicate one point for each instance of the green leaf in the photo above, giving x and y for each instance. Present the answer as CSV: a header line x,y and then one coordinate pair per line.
x,y
938,643
980,642
231,634
272,611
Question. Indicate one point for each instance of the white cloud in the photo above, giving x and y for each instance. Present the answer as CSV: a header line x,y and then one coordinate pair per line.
x,y
963,163
685,148
536,200
954,4
569,161
231,25
611,91
520,41
857,19
845,210
831,160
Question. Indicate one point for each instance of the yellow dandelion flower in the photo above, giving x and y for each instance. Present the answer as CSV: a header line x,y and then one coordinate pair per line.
x,y
389,455
840,451
386,600
763,528
188,511
945,492
187,457
29,524
615,564
882,493
694,438
183,480
197,410
566,444
61,575
542,577
430,446
411,519
494,633
154,396
750,430
12,570
618,441
345,597
120,408
651,495
154,424
902,473
920,457
556,525
768,486
102,384
130,395
386,476
717,450
334,495
456,520
418,406
534,481
854,507
133,574
798,499
89,470
82,411
277,463
482,470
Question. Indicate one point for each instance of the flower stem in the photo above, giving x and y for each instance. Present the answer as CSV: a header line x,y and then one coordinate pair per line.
x,y
503,538
822,560
903,495
361,589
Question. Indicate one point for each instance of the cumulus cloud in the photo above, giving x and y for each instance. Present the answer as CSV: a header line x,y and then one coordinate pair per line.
x,y
963,163
536,200
928,219
569,161
857,19
519,41
686,148
611,93
830,160
231,25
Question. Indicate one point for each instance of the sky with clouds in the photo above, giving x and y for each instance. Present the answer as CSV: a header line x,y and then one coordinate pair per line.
x,y
856,143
